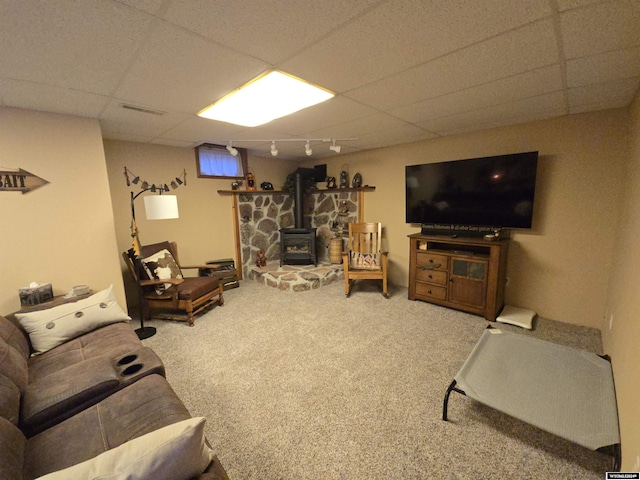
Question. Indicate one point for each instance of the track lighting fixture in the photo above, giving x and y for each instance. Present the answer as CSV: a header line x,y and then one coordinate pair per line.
x,y
333,147
231,150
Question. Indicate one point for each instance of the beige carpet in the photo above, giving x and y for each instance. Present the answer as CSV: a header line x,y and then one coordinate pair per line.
x,y
312,385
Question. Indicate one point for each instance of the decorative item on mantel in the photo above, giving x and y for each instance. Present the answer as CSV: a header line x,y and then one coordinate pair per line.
x,y
266,186
251,181
236,184
344,179
331,183
357,180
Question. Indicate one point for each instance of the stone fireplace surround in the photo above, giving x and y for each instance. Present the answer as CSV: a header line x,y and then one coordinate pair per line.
x,y
262,214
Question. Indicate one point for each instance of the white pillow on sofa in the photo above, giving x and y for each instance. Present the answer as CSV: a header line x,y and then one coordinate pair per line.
x,y
54,326
174,452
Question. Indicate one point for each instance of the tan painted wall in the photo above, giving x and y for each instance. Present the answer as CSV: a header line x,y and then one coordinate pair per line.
x,y
623,304
204,230
559,268
63,232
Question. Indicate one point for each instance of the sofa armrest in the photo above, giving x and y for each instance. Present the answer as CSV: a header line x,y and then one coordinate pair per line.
x,y
58,396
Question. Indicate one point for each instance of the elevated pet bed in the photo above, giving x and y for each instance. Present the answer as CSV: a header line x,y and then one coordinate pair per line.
x,y
562,390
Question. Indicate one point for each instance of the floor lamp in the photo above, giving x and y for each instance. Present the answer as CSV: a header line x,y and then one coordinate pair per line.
x,y
157,207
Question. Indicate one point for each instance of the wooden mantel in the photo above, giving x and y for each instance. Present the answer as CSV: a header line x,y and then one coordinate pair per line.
x,y
323,190
234,209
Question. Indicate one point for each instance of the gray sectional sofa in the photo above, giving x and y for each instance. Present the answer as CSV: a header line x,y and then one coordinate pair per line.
x,y
90,402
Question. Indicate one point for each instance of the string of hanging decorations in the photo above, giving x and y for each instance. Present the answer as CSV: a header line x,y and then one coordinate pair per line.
x,y
161,187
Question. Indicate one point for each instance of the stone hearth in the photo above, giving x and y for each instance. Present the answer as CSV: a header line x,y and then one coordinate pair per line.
x,y
296,278
262,214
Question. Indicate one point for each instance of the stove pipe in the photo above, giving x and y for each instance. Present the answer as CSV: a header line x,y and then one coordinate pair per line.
x,y
297,207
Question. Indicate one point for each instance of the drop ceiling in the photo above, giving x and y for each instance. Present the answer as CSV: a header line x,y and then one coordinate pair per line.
x,y
402,70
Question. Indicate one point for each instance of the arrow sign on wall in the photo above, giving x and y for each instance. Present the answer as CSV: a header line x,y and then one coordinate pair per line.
x,y
20,181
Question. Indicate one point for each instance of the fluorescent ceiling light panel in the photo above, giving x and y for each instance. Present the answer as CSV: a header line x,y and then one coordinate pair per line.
x,y
265,98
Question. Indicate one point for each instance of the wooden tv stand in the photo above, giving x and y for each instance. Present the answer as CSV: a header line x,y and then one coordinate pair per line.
x,y
467,274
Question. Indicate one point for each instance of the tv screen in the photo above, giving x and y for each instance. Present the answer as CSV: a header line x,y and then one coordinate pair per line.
x,y
492,192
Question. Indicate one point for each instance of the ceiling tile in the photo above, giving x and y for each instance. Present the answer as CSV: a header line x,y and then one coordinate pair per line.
x,y
524,85
172,143
198,130
85,48
397,66
601,28
603,67
521,50
151,6
119,120
504,122
404,33
569,4
613,94
552,102
404,133
35,96
378,122
270,31
181,71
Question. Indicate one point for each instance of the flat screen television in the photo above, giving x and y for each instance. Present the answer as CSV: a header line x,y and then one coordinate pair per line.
x,y
492,192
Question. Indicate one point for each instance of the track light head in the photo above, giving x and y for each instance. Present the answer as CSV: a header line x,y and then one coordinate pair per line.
x,y
231,150
307,149
274,150
335,148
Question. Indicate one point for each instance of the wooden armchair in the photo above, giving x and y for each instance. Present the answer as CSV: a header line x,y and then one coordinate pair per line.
x,y
363,258
163,291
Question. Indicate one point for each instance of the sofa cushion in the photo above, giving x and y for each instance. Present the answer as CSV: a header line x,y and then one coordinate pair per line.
x,y
9,400
52,327
12,445
174,452
113,341
13,366
140,408
13,336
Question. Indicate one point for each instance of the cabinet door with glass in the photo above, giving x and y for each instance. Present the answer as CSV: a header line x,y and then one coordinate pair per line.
x,y
468,281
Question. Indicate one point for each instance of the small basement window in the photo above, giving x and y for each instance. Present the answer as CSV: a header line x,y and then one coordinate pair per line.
x,y
215,161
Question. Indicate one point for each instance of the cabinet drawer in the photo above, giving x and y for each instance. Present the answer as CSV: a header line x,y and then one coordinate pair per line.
x,y
431,291
432,260
430,275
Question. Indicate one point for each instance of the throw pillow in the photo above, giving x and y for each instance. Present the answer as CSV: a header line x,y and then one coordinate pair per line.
x,y
174,452
366,261
52,327
160,266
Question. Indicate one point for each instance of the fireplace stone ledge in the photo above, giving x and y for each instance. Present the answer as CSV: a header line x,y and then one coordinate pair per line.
x,y
296,278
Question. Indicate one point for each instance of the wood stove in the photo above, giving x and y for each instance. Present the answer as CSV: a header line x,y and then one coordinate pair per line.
x,y
298,246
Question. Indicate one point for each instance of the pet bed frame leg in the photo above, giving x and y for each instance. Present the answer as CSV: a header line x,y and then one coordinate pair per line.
x,y
445,406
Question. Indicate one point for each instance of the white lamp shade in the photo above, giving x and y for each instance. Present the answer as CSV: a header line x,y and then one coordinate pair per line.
x,y
161,207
